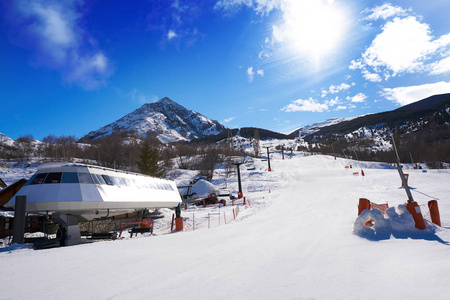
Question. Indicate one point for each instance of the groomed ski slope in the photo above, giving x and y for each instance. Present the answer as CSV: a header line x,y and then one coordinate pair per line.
x,y
296,242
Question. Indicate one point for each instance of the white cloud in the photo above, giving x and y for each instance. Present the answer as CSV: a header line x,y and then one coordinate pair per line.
x,y
264,54
410,94
384,11
260,6
334,89
86,69
361,97
356,64
401,47
440,67
250,74
333,102
229,120
405,45
310,104
373,77
61,43
338,88
341,107
171,34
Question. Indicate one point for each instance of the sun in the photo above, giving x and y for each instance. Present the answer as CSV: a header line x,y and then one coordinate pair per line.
x,y
311,30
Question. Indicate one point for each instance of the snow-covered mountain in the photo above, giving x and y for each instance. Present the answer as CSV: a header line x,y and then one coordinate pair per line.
x,y
430,114
5,140
309,129
166,119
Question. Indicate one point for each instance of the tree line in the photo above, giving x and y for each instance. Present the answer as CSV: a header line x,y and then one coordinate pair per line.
x,y
124,151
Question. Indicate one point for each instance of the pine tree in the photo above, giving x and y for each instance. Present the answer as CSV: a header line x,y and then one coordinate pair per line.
x,y
148,163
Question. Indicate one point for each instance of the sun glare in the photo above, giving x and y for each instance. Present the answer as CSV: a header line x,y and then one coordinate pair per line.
x,y
311,30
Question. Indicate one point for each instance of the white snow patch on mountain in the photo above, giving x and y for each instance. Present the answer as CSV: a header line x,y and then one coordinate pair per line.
x,y
166,119
6,140
308,129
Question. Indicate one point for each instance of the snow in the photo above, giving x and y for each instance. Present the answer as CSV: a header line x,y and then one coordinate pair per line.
x,y
170,121
202,188
11,173
308,129
296,241
5,140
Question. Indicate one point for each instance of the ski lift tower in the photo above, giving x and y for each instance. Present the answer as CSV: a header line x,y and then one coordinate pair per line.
x,y
268,158
240,195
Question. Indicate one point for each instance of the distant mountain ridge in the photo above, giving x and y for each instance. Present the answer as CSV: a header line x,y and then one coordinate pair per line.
x,y
166,119
310,129
413,117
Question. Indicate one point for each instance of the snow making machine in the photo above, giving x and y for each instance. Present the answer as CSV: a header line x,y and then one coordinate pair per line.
x,y
70,192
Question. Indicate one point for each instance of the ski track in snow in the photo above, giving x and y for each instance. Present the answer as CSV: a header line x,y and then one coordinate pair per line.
x,y
295,242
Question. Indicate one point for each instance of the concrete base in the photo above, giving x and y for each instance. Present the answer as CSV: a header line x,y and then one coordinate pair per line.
x,y
70,225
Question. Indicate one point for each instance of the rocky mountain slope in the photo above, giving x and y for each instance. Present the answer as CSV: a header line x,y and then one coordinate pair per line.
x,y
165,119
428,113
312,128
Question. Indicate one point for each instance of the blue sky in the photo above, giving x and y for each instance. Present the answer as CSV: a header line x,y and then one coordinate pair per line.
x,y
69,67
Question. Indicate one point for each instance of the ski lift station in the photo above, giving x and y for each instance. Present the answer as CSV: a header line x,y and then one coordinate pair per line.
x,y
75,192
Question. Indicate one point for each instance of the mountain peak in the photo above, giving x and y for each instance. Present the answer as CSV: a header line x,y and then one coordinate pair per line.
x,y
165,100
166,119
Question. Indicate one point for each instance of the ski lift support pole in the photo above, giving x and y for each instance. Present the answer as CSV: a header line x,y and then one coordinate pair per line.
x,y
412,161
240,195
402,176
282,151
357,159
268,158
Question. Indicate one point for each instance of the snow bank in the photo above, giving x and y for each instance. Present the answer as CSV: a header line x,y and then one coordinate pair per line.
x,y
397,222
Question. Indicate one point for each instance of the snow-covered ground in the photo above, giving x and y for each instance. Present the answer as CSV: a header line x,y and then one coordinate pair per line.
x,y
296,241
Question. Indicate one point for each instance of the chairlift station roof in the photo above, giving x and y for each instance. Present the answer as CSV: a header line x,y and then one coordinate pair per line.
x,y
90,192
